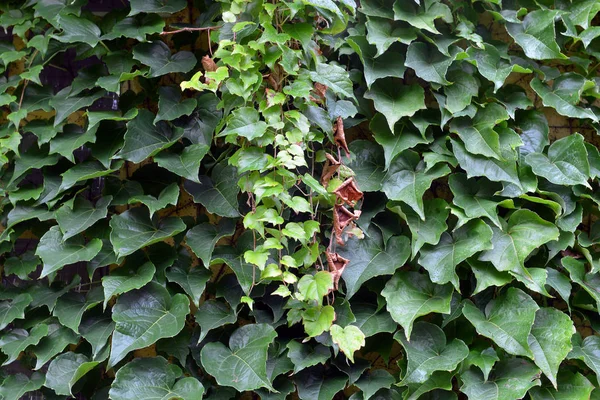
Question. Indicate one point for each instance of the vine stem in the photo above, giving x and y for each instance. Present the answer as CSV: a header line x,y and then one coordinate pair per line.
x,y
190,29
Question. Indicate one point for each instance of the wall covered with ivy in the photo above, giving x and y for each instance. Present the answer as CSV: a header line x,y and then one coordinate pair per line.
x,y
313,199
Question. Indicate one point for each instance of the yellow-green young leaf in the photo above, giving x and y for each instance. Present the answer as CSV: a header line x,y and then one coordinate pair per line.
x,y
154,378
349,339
314,287
317,320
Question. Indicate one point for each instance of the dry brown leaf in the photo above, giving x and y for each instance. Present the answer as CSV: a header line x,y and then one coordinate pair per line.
x,y
349,192
208,64
340,136
320,91
336,264
330,168
342,218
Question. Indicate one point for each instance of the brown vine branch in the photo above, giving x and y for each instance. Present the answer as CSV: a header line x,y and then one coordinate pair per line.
x,y
190,29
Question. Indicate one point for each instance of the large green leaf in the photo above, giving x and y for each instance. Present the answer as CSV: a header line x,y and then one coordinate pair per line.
x,y
244,121
56,252
493,64
525,232
511,381
203,237
71,306
143,316
395,100
427,352
410,295
192,281
133,229
335,78
65,370
440,260
475,198
374,381
186,164
587,350
143,139
550,340
367,163
428,63
126,278
213,314
536,35
570,386
170,105
65,105
58,338
13,309
154,378
158,57
370,257
508,320
383,33
305,355
566,163
14,387
407,180
218,193
313,384
421,16
168,196
13,342
389,64
243,364
81,214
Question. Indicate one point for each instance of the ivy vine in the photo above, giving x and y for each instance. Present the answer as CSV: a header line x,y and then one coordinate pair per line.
x,y
313,199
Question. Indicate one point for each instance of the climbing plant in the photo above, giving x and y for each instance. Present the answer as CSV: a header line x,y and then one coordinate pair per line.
x,y
314,199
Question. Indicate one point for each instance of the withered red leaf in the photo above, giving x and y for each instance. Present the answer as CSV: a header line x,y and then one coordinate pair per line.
x,y
342,217
349,192
330,168
340,136
336,264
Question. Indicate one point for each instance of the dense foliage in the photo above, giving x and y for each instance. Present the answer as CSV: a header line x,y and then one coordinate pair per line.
x,y
394,199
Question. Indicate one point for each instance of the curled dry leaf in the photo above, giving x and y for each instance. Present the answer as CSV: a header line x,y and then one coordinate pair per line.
x,y
349,192
320,91
208,64
342,218
336,265
330,168
340,136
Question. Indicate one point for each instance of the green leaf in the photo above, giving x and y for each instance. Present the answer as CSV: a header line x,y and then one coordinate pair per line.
x,y
335,78
422,17
133,229
136,28
383,33
71,306
244,121
79,216
218,193
475,198
440,260
186,164
243,364
492,169
367,163
16,386
317,320
170,106
393,143
65,370
126,278
313,384
76,29
156,6
428,231
213,314
511,380
589,282
11,310
564,95
97,330
154,378
192,282
71,138
305,355
158,57
507,320
370,257
202,238
525,232
395,100
484,360
570,386
566,163
550,340
21,266
407,180
168,196
58,338
66,105
460,93
487,275
314,287
143,139
587,350
143,316
371,320
428,63
493,65
427,352
13,342
536,35
410,295
389,64
56,252
372,382
349,339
